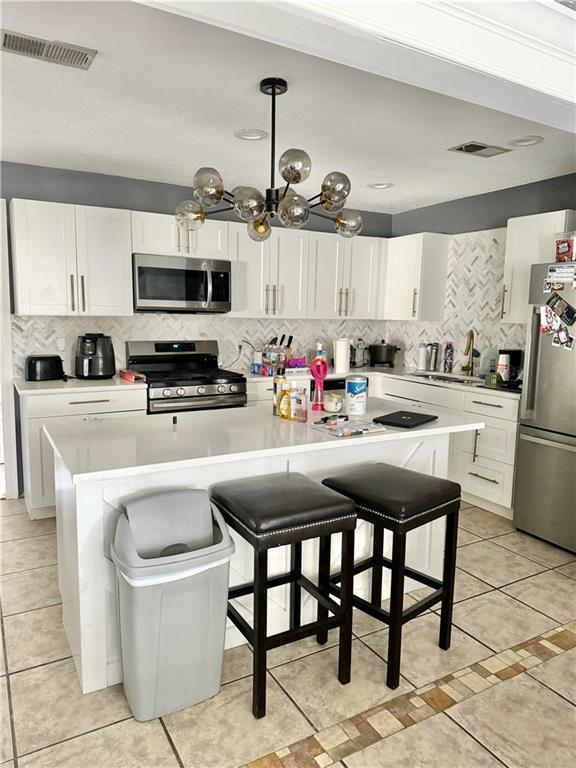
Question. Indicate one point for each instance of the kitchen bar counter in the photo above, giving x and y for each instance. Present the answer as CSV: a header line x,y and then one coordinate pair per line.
x,y
107,462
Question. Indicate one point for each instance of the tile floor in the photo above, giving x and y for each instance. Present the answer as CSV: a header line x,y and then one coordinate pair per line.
x,y
503,695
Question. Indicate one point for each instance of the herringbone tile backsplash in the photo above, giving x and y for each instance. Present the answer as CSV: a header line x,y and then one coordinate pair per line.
x,y
476,270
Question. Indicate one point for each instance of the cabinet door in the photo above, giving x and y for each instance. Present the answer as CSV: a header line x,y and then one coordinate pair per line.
x,y
404,264
529,240
211,241
250,274
360,277
158,233
289,272
44,258
104,258
325,275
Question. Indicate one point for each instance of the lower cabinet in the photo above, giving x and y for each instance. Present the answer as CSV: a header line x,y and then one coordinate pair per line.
x,y
487,479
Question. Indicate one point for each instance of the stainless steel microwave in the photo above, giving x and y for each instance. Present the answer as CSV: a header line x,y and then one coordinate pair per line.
x,y
180,284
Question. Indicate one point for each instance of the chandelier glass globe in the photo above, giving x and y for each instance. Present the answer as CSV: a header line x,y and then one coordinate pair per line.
x,y
348,223
295,166
248,203
208,187
331,206
190,215
259,229
293,211
336,187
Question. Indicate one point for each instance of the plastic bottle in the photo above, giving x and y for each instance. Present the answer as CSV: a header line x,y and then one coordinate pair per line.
x,y
283,405
299,404
277,382
448,357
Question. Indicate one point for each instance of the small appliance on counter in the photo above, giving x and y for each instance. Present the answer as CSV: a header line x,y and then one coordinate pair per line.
x,y
95,357
44,368
382,354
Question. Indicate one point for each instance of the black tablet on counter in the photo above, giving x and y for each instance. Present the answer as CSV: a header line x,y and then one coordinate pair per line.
x,y
405,419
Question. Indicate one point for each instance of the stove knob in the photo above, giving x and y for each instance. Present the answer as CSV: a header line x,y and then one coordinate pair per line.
x,y
234,387
221,388
201,390
167,393
180,391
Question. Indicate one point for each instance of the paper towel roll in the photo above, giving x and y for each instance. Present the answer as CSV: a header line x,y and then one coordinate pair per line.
x,y
342,356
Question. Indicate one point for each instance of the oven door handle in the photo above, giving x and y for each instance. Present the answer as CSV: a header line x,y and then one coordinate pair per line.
x,y
209,282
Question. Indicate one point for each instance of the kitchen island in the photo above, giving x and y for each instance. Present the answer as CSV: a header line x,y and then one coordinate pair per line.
x,y
104,463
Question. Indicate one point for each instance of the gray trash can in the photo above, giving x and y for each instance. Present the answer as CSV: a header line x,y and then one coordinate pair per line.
x,y
172,553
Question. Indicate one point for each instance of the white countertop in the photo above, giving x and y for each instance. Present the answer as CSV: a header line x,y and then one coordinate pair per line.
x,y
24,387
143,443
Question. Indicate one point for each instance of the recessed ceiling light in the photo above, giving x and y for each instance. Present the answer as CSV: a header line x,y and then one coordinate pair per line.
x,y
381,185
526,141
251,134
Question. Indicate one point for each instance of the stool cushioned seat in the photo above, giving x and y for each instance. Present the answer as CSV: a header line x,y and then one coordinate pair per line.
x,y
394,493
273,506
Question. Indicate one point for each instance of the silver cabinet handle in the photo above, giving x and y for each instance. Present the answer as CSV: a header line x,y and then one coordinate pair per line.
x,y
178,238
482,477
347,310
502,310
189,242
475,449
267,302
491,405
340,292
414,297
274,299
83,292
412,399
73,292
86,402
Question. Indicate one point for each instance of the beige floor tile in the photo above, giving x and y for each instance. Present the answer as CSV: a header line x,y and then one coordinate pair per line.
x,y
568,570
24,554
50,707
299,649
9,507
521,722
465,537
499,621
313,684
483,523
559,674
434,743
5,731
237,663
36,637
534,549
466,586
124,745
21,527
422,660
495,565
222,733
551,593
363,624
28,590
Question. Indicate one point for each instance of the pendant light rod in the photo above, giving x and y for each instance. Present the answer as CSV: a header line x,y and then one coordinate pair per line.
x,y
273,86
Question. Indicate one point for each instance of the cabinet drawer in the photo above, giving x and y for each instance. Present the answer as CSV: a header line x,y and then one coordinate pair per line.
x,y
71,403
497,441
491,405
491,480
412,390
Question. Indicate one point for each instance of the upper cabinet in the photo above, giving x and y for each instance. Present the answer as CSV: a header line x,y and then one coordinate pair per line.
x,y
529,240
415,278
70,260
343,276
269,279
158,233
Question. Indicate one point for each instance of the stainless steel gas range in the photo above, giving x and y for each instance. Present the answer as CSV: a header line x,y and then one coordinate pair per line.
x,y
184,376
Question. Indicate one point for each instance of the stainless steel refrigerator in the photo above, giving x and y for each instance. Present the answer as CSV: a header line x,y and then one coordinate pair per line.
x,y
545,483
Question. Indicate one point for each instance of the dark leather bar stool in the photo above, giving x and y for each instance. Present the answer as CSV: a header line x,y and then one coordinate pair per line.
x,y
288,508
400,500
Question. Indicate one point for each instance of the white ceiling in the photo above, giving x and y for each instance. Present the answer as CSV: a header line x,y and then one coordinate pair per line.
x,y
166,93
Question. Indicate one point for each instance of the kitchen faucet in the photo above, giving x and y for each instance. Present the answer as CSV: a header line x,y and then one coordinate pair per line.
x,y
469,367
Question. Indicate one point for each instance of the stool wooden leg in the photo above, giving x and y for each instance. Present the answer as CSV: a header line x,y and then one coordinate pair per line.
x,y
260,618
396,607
347,586
377,551
448,580
295,588
323,583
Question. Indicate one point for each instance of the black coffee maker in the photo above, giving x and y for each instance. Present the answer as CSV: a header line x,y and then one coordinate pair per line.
x,y
95,357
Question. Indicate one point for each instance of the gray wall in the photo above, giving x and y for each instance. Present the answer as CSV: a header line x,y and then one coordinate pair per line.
x,y
34,182
491,210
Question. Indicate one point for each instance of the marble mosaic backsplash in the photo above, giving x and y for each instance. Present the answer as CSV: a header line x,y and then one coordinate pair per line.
x,y
476,270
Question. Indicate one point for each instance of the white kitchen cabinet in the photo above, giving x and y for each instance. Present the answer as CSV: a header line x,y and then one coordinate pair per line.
x,y
529,240
158,233
104,260
343,276
414,281
44,258
269,279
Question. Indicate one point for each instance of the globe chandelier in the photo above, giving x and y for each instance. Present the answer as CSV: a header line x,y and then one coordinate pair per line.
x,y
257,209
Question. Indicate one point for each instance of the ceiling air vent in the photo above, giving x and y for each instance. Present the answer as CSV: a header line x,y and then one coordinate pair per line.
x,y
52,51
478,149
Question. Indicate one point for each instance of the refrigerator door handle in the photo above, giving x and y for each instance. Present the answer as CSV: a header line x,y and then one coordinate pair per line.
x,y
530,367
548,443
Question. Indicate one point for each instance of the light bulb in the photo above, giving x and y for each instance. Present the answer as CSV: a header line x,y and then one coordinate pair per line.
x,y
248,203
190,215
348,223
208,187
295,166
330,206
293,211
336,187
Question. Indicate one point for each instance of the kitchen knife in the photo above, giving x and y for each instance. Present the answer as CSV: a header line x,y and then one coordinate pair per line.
x,y
282,340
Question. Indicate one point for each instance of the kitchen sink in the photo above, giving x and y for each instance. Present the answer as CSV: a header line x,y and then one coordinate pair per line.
x,y
472,382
